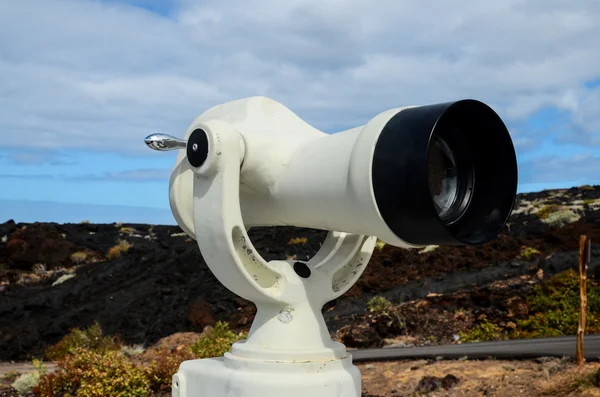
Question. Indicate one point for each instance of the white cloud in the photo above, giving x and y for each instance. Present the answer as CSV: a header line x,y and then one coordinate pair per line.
x,y
585,120
136,175
581,167
82,74
37,158
139,175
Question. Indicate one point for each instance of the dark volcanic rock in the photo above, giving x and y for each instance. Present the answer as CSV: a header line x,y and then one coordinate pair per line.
x,y
150,292
430,384
360,336
37,244
153,289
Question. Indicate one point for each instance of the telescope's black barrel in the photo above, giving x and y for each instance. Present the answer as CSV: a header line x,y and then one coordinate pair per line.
x,y
445,173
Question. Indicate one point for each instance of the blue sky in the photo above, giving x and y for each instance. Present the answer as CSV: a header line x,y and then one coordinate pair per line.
x,y
82,83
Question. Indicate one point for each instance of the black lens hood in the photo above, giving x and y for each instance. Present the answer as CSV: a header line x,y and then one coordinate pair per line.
x,y
400,176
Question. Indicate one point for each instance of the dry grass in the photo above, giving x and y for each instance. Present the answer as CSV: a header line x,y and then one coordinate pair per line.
x,y
482,378
379,245
572,381
79,257
298,240
539,378
116,251
127,230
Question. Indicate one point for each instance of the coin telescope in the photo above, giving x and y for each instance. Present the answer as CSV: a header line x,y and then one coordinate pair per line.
x,y
442,174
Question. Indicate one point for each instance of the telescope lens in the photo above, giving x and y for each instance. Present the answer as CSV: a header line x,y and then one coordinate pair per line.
x,y
458,173
450,178
443,176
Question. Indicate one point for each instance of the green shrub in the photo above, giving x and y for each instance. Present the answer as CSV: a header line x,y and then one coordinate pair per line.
x,y
554,308
127,230
588,202
387,318
561,218
91,338
546,210
379,306
482,332
528,253
164,365
78,257
133,351
216,342
88,373
25,384
91,364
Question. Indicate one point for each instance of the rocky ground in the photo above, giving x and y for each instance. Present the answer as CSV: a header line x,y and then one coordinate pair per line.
x,y
460,378
544,377
58,276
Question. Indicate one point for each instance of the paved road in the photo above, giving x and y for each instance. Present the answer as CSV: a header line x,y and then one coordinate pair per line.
x,y
511,349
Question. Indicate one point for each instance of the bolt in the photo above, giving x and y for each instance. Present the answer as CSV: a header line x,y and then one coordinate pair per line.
x,y
195,147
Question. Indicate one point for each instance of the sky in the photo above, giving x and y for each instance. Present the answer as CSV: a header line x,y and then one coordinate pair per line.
x,y
82,82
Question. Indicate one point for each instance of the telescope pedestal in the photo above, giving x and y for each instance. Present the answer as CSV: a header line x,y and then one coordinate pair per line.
x,y
288,351
232,376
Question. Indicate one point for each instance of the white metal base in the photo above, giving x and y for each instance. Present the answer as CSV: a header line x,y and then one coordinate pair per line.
x,y
231,376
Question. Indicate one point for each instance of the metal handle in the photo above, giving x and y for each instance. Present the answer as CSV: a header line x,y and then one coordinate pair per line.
x,y
164,142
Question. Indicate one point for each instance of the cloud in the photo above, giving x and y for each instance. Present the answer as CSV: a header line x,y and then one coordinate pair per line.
x,y
37,158
583,168
140,175
585,120
26,176
79,74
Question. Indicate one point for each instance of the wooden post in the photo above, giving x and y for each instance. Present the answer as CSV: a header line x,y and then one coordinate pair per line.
x,y
584,253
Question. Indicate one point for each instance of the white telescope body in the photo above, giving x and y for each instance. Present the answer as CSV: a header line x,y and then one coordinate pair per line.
x,y
412,176
294,174
372,179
